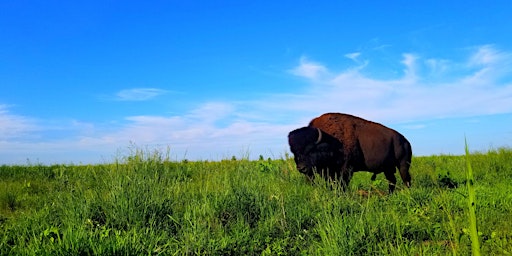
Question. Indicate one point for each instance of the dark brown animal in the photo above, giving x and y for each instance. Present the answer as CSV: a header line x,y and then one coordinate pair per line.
x,y
368,146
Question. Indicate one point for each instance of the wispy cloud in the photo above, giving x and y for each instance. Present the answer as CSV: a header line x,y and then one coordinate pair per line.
x,y
479,85
213,130
491,65
139,94
309,69
14,126
487,55
353,56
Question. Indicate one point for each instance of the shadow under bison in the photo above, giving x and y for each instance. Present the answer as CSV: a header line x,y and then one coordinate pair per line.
x,y
336,145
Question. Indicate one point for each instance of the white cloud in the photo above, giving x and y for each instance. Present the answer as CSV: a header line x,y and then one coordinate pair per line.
x,y
353,56
196,134
309,69
486,55
212,111
410,63
139,94
438,67
412,96
491,65
14,126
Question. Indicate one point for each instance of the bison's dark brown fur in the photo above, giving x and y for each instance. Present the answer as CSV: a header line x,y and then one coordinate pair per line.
x,y
368,146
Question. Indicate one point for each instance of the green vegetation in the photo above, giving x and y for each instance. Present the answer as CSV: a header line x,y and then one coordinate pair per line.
x,y
470,181
145,204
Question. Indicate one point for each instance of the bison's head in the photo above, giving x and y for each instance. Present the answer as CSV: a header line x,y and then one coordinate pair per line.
x,y
315,150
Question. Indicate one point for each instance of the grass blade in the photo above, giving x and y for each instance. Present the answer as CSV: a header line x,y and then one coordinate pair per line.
x,y
475,243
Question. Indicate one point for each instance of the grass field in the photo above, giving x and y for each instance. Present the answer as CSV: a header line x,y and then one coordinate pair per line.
x,y
144,204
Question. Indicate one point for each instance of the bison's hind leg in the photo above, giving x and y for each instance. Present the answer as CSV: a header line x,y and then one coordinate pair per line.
x,y
390,176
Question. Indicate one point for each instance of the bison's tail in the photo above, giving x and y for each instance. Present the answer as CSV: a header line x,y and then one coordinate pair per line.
x,y
404,173
404,163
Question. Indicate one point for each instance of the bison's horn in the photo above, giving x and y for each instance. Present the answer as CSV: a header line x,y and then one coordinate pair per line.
x,y
319,136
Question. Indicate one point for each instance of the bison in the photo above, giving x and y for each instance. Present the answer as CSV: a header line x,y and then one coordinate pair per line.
x,y
337,145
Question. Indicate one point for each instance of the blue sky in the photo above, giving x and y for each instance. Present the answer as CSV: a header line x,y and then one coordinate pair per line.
x,y
86,81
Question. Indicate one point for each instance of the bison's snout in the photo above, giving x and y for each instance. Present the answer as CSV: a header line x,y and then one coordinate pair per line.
x,y
302,168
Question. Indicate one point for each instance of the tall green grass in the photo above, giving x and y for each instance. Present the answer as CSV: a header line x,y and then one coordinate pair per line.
x,y
146,204
475,243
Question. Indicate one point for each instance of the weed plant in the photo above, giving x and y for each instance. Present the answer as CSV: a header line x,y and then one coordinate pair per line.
x,y
146,204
